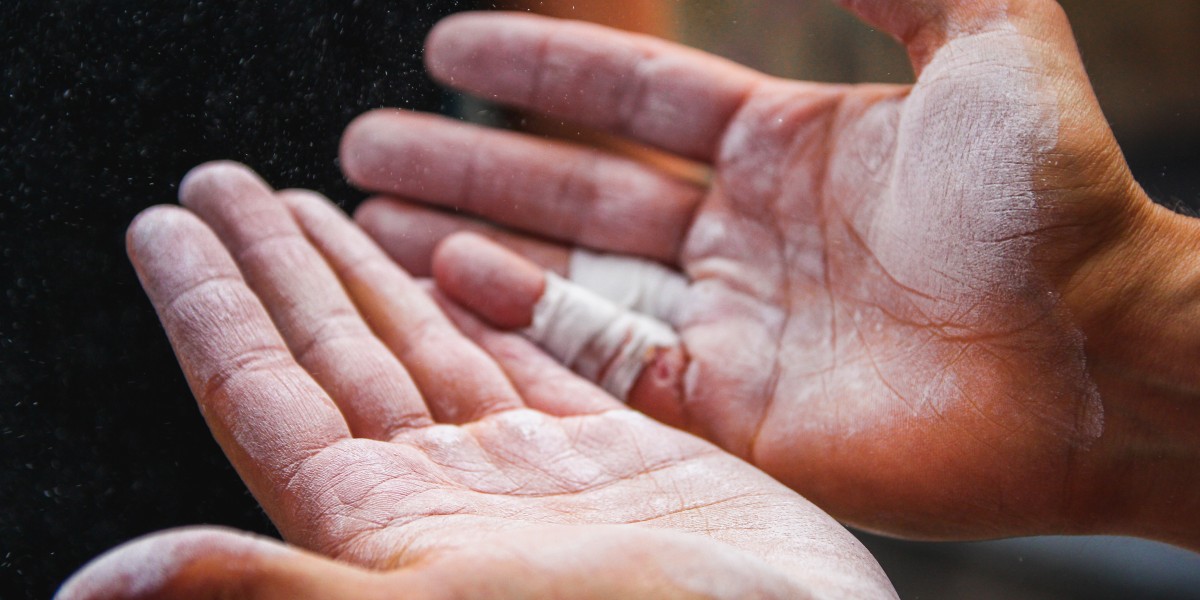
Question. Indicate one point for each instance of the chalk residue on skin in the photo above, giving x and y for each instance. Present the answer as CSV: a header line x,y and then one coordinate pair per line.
x,y
988,122
887,225
143,566
598,339
982,107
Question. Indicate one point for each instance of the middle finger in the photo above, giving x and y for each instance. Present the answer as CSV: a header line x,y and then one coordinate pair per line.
x,y
460,381
320,324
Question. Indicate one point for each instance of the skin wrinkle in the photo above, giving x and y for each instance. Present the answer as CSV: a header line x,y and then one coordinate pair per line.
x,y
770,385
825,205
339,324
704,265
610,209
221,281
338,509
633,98
292,241
248,364
468,193
646,471
653,112
652,56
361,272
771,388
1021,234
517,487
576,189
349,496
497,459
544,64
879,373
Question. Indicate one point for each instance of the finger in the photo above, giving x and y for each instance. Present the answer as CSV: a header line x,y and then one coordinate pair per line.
x,y
544,383
322,328
570,194
662,94
265,411
409,233
634,357
460,381
214,562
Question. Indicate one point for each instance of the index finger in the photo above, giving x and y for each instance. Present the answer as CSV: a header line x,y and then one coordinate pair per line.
x,y
663,94
266,412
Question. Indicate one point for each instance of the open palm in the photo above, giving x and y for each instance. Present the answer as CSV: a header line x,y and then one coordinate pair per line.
x,y
402,446
899,299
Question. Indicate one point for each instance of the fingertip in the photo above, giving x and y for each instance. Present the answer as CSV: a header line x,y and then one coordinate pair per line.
x,y
380,219
658,390
474,51
167,246
142,226
151,225
449,265
148,566
300,199
217,179
373,213
445,47
492,281
461,242
358,144
408,235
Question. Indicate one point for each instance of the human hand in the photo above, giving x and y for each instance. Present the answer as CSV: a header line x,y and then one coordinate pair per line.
x,y
940,310
372,431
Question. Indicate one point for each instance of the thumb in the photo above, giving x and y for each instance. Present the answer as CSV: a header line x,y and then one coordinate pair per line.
x,y
212,563
925,26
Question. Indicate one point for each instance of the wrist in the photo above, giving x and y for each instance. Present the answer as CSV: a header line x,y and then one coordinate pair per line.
x,y
1141,474
1139,310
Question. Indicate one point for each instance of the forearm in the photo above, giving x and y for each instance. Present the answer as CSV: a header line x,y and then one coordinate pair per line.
x,y
1142,471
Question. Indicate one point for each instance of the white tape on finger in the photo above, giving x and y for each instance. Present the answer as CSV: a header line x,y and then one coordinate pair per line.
x,y
600,340
640,285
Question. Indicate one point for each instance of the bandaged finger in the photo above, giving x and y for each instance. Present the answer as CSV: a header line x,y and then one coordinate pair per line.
x,y
636,284
597,338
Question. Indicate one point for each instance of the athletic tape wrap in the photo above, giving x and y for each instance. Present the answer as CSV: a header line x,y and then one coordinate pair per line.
x,y
640,285
589,333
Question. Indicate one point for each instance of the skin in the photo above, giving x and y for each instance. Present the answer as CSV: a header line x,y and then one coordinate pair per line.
x,y
943,310
405,455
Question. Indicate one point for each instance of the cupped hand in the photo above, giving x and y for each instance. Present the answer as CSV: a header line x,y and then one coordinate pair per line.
x,y
374,431
940,310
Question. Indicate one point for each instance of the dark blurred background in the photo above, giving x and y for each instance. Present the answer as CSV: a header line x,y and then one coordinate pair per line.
x,y
106,105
